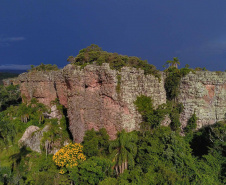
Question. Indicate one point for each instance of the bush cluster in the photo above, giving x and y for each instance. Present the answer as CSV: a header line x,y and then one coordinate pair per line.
x,y
94,54
44,67
152,117
9,95
172,81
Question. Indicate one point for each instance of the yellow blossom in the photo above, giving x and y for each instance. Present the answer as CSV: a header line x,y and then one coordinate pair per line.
x,y
68,156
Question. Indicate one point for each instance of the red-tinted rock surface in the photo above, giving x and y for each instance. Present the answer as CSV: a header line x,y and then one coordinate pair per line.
x,y
91,98
45,86
93,101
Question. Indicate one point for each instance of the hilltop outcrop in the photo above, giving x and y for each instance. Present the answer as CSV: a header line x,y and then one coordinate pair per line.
x,y
97,96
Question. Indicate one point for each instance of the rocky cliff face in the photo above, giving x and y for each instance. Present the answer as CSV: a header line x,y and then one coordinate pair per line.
x,y
95,96
98,97
204,93
95,102
45,86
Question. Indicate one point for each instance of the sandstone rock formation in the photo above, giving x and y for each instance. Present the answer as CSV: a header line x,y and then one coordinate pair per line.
x,y
10,81
45,86
205,93
32,138
94,96
97,97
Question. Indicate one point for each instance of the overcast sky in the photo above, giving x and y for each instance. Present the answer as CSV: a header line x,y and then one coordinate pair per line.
x,y
48,31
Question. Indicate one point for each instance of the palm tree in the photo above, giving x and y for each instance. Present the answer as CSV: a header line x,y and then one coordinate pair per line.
x,y
123,151
174,63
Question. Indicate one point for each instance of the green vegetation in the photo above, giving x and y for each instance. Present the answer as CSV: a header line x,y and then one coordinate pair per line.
x,y
173,63
157,155
9,95
91,171
172,87
44,67
172,81
94,54
123,151
154,155
192,124
96,143
21,165
152,118
200,69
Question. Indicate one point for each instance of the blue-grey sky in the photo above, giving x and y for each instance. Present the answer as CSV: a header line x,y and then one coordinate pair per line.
x,y
49,31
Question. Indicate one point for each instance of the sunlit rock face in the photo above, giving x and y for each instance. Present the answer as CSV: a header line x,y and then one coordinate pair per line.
x,y
95,97
96,100
204,93
44,86
98,97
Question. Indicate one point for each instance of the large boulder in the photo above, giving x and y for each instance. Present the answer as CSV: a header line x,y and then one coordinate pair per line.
x,y
32,137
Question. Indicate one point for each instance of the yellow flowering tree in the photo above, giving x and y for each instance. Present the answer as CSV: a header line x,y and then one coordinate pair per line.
x,y
69,156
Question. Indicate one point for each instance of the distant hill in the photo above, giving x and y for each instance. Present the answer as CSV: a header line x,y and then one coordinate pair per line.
x,y
4,75
12,71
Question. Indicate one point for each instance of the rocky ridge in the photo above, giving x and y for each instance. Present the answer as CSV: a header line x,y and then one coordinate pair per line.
x,y
97,97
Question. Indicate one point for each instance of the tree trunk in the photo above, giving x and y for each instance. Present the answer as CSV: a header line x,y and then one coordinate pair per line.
x,y
123,165
116,169
120,169
126,165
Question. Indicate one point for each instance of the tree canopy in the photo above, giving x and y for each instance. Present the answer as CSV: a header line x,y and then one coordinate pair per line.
x,y
173,63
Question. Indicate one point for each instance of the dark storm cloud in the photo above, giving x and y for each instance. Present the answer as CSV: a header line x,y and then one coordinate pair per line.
x,y
194,31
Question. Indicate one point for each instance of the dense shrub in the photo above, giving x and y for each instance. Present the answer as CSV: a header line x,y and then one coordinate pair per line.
x,y
44,67
190,127
94,54
91,171
15,119
151,117
24,165
9,95
172,81
96,143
